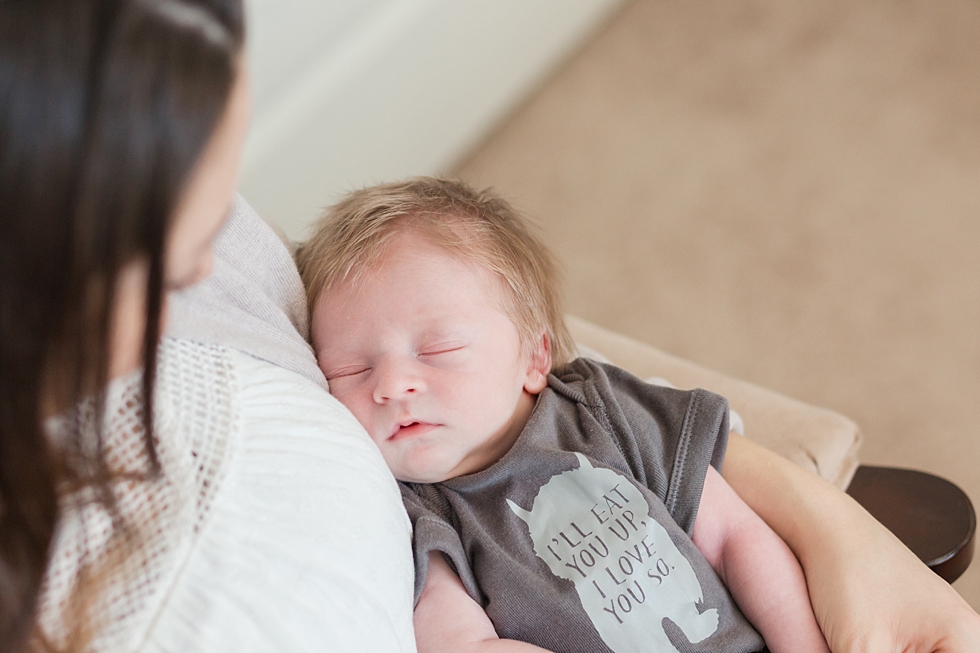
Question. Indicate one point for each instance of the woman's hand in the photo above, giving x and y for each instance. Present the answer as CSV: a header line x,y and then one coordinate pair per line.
x,y
870,593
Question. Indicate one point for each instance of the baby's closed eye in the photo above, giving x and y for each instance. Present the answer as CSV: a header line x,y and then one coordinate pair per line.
x,y
349,371
441,349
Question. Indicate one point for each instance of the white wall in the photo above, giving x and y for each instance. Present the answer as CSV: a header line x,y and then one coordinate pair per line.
x,y
351,92
286,36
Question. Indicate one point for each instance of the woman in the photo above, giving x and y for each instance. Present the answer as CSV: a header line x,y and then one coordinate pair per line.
x,y
118,157
121,123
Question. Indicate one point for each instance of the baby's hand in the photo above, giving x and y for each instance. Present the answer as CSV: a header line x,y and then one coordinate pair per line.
x,y
447,620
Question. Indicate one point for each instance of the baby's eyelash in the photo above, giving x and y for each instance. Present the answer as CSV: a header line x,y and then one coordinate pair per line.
x,y
340,374
438,350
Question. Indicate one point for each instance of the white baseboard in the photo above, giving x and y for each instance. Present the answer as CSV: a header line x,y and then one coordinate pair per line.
x,y
408,93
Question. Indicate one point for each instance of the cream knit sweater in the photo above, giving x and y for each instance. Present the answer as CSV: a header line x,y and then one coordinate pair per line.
x,y
275,525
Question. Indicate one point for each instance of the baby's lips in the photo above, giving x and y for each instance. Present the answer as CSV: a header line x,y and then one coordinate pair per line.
x,y
405,420
400,425
411,428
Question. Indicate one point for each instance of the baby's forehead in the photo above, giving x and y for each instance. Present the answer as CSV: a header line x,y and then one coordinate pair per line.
x,y
422,245
411,246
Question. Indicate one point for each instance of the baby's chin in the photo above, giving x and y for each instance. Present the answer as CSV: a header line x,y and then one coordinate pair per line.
x,y
421,476
424,467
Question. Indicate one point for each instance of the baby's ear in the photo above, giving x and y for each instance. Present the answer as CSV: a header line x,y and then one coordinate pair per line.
x,y
539,365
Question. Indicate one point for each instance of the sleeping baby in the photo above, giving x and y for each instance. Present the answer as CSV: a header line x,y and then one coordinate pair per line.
x,y
557,503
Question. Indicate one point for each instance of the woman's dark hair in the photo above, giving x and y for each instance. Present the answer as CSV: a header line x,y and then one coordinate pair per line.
x,y
105,107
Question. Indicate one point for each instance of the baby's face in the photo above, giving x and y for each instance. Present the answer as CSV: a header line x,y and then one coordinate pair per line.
x,y
421,354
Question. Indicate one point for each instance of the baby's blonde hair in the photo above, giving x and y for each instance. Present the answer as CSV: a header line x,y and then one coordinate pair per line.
x,y
473,226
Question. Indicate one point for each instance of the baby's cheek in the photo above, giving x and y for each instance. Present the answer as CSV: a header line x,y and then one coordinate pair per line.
x,y
362,415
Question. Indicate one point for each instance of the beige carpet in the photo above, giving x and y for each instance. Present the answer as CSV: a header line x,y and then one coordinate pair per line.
x,y
785,191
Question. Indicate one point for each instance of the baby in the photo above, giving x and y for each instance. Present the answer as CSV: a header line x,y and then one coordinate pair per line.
x,y
557,504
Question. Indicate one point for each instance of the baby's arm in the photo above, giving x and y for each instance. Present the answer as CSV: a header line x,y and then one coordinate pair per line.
x,y
447,619
760,571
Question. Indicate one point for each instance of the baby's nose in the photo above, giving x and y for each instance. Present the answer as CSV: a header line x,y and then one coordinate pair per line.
x,y
396,381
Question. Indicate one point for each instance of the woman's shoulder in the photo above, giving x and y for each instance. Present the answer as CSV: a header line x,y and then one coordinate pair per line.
x,y
304,540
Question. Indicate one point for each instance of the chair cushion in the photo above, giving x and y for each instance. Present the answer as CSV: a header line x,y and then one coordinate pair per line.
x,y
817,439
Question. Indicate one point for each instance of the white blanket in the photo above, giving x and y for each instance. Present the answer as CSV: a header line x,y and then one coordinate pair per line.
x,y
253,301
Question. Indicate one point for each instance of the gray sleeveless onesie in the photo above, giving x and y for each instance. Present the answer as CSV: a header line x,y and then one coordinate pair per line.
x,y
578,539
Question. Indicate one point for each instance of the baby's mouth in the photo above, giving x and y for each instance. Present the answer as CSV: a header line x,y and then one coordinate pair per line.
x,y
410,429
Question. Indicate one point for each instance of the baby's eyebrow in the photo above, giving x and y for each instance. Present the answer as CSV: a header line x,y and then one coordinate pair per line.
x,y
335,359
445,330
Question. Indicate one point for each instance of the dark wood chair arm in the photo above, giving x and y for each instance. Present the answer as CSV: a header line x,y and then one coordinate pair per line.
x,y
932,516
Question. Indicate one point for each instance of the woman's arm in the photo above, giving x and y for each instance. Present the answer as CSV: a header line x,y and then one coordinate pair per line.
x,y
870,593
447,619
758,568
